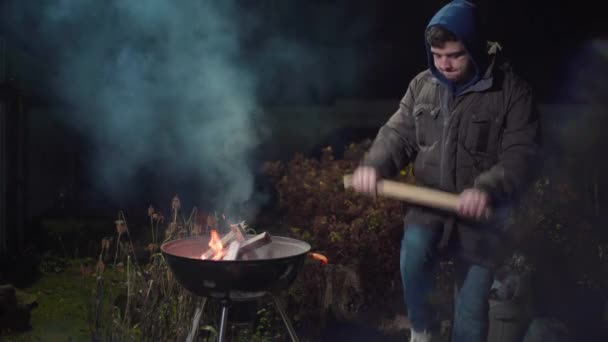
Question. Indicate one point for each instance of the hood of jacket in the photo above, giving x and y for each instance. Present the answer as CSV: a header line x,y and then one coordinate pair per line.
x,y
461,17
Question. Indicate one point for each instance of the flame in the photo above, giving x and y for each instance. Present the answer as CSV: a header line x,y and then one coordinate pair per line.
x,y
215,244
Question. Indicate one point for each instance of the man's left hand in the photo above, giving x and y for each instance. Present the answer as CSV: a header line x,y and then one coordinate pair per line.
x,y
474,204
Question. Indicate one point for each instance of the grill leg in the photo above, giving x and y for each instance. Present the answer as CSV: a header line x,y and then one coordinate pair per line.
x,y
292,332
224,322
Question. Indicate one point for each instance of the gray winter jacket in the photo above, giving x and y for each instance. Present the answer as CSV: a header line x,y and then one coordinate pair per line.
x,y
485,137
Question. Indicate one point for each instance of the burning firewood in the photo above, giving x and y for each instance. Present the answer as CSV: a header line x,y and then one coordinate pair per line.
x,y
238,245
233,250
241,236
239,231
224,242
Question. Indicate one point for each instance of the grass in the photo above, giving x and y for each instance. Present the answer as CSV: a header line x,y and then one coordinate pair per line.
x,y
64,305
140,301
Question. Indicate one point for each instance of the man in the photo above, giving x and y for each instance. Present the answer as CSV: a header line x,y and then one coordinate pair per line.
x,y
470,126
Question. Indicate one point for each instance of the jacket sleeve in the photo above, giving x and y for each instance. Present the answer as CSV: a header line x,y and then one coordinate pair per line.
x,y
518,150
395,145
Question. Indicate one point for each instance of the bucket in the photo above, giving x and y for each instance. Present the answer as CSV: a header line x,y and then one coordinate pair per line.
x,y
508,321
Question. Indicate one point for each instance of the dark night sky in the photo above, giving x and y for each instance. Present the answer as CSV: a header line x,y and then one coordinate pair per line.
x,y
381,39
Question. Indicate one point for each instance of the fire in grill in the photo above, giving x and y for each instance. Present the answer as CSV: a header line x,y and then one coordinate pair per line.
x,y
238,267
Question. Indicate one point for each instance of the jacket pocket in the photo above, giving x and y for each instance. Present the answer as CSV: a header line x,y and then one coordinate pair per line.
x,y
482,161
478,133
428,138
476,160
428,126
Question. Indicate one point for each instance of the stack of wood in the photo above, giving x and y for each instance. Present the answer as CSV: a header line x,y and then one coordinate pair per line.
x,y
238,245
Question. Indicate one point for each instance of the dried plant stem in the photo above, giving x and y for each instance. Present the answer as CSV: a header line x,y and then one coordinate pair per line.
x,y
192,219
156,231
101,254
126,312
152,229
98,303
150,282
117,248
121,216
65,253
197,317
129,284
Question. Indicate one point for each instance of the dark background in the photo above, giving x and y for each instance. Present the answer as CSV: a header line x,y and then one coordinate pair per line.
x,y
114,105
385,38
67,158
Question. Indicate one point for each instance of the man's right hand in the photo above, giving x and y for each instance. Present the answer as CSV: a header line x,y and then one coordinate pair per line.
x,y
365,179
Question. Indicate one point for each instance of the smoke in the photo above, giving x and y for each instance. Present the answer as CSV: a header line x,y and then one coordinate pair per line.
x,y
162,86
166,90
574,127
587,84
580,117
167,94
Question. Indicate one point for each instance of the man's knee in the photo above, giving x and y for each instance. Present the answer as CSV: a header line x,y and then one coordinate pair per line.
x,y
472,299
472,311
419,237
417,246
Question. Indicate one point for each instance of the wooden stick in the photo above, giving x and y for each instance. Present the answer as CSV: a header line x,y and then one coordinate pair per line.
x,y
414,194
241,236
233,251
255,242
239,231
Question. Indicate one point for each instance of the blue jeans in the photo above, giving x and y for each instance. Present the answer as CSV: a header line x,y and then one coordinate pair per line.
x,y
418,261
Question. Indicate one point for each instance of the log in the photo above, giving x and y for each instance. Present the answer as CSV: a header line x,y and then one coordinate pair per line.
x,y
225,241
413,194
255,243
420,195
237,245
228,238
239,231
233,250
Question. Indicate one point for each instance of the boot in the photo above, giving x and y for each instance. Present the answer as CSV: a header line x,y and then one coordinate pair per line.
x,y
424,336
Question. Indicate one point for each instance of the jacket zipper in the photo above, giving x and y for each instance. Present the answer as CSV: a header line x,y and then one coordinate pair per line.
x,y
444,146
445,141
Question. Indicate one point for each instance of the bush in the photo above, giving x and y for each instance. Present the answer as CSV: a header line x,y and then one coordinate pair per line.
x,y
349,228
